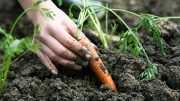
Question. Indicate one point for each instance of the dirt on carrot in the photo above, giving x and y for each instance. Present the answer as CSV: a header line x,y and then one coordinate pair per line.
x,y
96,64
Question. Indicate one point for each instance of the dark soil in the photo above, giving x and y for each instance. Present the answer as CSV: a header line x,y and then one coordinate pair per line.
x,y
28,80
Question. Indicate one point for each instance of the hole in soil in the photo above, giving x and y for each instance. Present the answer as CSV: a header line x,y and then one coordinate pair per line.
x,y
164,77
171,83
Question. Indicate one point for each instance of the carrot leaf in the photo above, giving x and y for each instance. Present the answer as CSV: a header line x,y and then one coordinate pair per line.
x,y
47,13
149,23
149,73
129,42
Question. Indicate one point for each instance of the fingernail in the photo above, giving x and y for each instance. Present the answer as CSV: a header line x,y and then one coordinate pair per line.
x,y
54,72
77,67
88,56
88,52
84,48
74,57
94,46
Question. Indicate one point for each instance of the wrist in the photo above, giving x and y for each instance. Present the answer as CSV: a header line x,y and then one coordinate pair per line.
x,y
34,13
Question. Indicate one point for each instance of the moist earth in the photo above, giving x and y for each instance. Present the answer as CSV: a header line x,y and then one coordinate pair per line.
x,y
29,80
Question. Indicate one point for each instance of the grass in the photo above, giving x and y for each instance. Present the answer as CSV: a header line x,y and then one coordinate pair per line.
x,y
13,46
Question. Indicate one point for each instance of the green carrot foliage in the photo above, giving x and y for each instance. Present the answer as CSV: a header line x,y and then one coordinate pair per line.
x,y
150,24
47,13
129,43
13,46
149,73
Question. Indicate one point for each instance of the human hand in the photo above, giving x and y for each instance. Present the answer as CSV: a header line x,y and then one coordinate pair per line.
x,y
57,39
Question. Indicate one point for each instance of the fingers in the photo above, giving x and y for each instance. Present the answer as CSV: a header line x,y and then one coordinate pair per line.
x,y
58,59
95,47
84,37
57,47
47,62
71,26
71,43
72,29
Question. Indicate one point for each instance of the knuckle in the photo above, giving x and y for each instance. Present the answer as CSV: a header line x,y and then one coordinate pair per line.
x,y
41,35
69,63
71,42
48,25
73,25
61,52
53,57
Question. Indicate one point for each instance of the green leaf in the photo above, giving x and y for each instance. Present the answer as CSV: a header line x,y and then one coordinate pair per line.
x,y
122,44
14,47
4,71
28,44
149,73
47,13
129,42
149,23
6,40
37,30
2,31
35,4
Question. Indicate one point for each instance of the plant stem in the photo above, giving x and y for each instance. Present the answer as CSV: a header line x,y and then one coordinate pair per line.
x,y
98,29
121,10
146,56
171,17
126,11
96,23
19,57
106,22
17,20
88,15
4,70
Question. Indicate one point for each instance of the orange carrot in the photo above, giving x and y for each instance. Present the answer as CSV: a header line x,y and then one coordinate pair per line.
x,y
96,64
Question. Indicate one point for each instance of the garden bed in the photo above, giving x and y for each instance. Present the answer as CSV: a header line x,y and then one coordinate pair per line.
x,y
29,80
